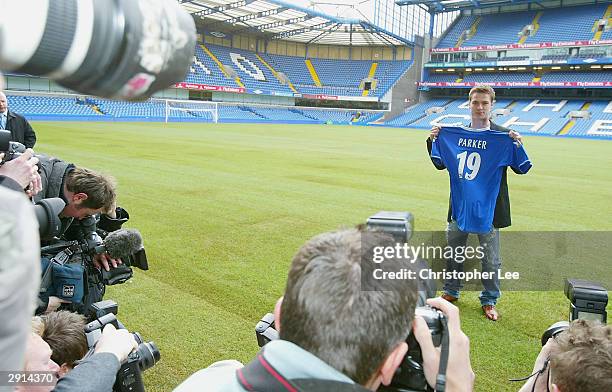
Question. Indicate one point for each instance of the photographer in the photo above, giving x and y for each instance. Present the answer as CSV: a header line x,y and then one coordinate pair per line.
x,y
86,194
578,359
64,332
96,373
334,335
19,279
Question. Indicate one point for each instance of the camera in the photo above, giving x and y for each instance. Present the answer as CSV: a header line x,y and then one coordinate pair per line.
x,y
69,272
588,301
122,49
47,214
10,149
146,355
410,376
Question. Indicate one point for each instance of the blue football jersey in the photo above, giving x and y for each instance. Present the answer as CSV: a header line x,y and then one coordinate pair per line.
x,y
475,160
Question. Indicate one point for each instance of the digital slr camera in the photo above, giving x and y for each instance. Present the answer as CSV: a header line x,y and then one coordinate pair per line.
x,y
146,355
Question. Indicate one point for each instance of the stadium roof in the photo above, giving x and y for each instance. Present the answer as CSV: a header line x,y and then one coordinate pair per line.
x,y
276,19
458,5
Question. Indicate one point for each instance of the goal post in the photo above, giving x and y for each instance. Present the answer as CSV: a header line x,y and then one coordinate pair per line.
x,y
192,110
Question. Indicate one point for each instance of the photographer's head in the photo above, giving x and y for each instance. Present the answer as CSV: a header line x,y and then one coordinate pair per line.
x,y
88,193
581,358
327,312
64,332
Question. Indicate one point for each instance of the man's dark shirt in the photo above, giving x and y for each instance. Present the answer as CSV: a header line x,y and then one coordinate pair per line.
x,y
501,217
20,128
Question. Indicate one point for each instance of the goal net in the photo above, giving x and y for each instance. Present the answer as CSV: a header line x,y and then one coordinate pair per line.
x,y
181,110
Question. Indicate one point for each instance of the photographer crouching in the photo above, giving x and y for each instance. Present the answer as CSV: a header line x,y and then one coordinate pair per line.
x,y
87,195
337,335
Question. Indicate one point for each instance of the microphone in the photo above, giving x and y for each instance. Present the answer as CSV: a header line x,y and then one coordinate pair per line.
x,y
123,243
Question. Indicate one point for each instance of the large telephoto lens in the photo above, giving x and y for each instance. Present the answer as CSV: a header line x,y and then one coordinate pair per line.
x,y
122,49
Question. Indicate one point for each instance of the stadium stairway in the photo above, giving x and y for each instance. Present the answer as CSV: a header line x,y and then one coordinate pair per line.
x,y
536,27
472,31
370,76
275,73
313,73
598,32
303,113
570,124
216,60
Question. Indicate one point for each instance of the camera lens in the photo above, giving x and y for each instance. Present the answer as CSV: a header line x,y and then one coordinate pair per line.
x,y
47,214
148,355
125,49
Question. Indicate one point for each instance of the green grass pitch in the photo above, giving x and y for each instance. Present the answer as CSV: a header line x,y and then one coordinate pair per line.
x,y
223,208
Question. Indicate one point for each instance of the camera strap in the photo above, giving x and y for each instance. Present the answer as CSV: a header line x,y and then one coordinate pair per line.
x,y
444,351
260,375
63,256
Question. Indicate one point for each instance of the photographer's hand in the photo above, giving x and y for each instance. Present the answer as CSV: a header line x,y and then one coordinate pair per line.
x,y
541,382
24,169
54,303
102,260
35,186
116,341
459,373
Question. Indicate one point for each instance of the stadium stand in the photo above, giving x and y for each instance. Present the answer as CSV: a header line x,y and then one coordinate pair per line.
x,y
604,76
204,70
452,36
576,23
544,117
255,75
251,71
77,108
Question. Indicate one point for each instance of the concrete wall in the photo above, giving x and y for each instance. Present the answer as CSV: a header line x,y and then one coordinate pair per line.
x,y
406,87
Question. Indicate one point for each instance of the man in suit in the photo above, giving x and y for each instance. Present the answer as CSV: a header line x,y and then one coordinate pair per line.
x,y
21,131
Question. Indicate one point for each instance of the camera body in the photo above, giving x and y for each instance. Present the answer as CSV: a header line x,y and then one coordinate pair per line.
x,y
10,149
410,375
146,355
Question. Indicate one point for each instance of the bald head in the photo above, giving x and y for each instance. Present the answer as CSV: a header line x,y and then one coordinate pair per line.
x,y
3,102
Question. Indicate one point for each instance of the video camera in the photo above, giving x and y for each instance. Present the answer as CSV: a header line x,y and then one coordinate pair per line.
x,y
129,376
588,301
70,274
122,49
410,376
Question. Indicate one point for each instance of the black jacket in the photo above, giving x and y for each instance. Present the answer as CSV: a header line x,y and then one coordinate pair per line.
x,y
20,128
501,217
